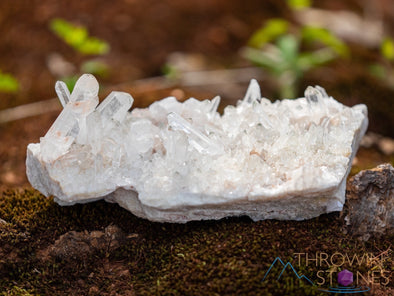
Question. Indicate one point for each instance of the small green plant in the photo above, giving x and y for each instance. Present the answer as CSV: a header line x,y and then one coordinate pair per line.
x,y
299,4
8,83
170,72
385,70
277,48
387,49
95,67
77,37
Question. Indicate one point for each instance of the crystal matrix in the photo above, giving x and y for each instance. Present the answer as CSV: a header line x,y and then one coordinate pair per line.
x,y
178,162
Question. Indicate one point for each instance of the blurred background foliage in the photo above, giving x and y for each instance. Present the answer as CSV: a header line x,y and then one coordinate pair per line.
x,y
345,46
276,47
8,83
78,37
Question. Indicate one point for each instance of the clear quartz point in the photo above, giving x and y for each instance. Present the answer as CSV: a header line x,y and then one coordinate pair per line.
x,y
71,123
253,94
322,91
115,107
62,93
313,94
61,135
197,139
86,88
317,99
65,125
214,106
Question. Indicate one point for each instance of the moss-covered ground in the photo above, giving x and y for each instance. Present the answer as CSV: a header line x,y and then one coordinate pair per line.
x,y
225,257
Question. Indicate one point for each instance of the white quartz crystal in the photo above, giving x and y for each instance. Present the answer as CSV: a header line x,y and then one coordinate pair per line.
x,y
178,162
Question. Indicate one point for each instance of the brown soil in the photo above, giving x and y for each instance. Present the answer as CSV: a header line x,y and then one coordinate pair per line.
x,y
101,249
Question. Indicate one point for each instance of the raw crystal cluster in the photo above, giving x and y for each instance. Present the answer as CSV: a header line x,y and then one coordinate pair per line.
x,y
178,162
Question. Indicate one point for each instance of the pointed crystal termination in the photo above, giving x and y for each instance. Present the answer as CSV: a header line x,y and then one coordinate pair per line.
x,y
62,93
86,91
253,94
317,100
71,122
84,97
214,106
110,113
315,94
198,140
86,88
322,91
115,106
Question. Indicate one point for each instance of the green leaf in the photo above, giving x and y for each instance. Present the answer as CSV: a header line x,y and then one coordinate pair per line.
x,y
288,46
78,38
387,49
270,31
72,35
170,72
8,83
261,59
70,81
94,46
325,37
95,67
307,61
378,71
299,4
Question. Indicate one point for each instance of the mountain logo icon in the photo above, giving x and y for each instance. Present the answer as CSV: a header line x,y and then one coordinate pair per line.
x,y
281,268
286,266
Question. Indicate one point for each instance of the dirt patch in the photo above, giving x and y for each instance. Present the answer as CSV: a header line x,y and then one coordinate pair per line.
x,y
205,258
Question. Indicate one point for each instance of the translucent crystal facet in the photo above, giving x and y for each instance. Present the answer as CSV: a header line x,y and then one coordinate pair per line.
x,y
86,88
178,161
62,93
71,123
197,139
115,106
253,93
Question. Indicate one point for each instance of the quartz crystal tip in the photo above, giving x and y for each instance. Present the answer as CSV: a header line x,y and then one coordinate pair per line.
x,y
214,106
85,88
253,94
315,94
322,91
115,106
62,93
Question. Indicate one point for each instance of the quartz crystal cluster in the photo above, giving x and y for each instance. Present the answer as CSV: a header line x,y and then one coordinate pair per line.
x,y
178,162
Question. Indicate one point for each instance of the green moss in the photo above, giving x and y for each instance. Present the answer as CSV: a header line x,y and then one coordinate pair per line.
x,y
206,258
15,291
